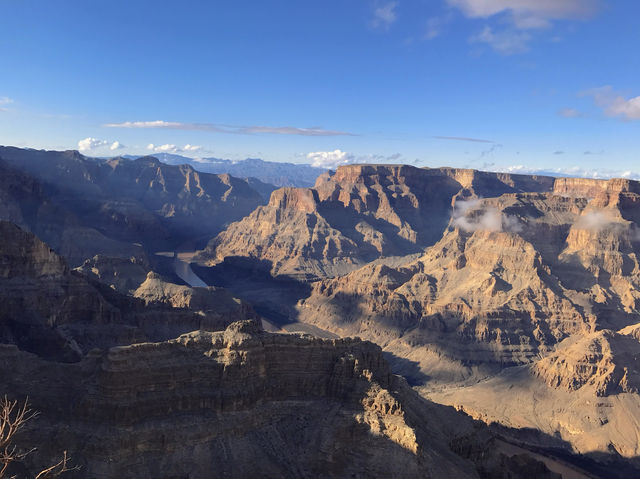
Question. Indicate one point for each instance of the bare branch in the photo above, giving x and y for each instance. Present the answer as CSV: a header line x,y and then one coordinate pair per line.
x,y
57,469
13,417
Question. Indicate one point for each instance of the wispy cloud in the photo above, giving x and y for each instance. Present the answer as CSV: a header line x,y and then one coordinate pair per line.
x,y
169,148
4,100
506,42
599,220
570,113
528,14
384,15
472,215
214,128
575,171
520,17
463,138
435,26
614,104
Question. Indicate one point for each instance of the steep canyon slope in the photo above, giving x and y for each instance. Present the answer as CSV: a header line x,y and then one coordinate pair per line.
x,y
84,206
236,402
513,281
355,215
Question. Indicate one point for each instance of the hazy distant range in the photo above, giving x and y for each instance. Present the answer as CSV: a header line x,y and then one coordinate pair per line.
x,y
275,173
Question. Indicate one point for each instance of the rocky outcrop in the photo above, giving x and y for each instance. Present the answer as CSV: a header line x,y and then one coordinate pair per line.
x,y
200,405
59,314
605,362
355,215
512,277
217,304
133,277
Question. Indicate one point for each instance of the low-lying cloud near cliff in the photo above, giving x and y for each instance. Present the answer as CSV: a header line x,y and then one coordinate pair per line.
x,y
489,218
598,220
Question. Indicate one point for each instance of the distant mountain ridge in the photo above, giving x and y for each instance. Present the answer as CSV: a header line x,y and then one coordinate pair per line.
x,y
273,172
119,207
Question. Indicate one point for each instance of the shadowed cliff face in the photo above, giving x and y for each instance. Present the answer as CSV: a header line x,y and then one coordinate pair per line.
x,y
238,402
60,314
83,206
246,403
355,215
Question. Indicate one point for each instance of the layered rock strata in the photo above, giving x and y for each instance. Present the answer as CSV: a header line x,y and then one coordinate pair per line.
x,y
84,206
511,278
355,215
245,403
59,314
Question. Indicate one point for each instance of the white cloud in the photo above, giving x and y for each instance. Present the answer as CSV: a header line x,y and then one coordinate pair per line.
x,y
520,17
385,15
170,148
166,148
598,220
470,216
575,171
333,159
89,144
506,42
242,130
330,159
570,113
615,104
116,145
528,14
4,100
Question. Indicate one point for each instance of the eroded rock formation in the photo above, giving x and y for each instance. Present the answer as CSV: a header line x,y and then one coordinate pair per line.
x,y
245,403
356,214
84,206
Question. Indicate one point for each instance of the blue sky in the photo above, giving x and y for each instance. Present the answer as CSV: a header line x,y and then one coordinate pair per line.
x,y
542,84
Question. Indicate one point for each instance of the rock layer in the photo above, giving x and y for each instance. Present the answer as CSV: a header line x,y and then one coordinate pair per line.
x,y
60,314
354,215
84,206
511,278
245,403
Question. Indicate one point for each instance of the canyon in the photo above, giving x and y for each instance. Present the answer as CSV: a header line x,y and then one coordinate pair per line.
x,y
515,296
120,387
389,321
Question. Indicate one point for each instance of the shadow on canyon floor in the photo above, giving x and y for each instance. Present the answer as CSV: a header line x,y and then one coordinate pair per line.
x,y
410,370
251,280
597,464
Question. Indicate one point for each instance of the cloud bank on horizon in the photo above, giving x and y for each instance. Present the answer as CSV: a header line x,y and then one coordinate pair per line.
x,y
242,130
573,171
